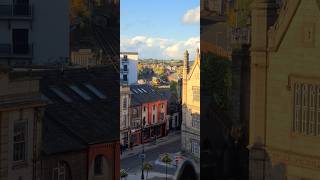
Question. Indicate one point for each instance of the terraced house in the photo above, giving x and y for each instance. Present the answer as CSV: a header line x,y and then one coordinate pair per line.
x,y
148,114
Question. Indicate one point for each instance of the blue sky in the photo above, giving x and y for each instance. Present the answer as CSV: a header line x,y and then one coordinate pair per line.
x,y
160,28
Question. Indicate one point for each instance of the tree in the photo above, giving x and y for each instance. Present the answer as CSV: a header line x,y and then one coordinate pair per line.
x,y
173,87
159,70
167,160
123,174
147,167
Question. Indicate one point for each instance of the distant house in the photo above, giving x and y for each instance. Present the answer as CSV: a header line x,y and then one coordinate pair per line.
x,y
128,67
173,109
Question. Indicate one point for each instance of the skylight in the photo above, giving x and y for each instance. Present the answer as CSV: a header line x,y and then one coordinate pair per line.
x,y
135,91
80,92
95,91
61,94
140,90
143,90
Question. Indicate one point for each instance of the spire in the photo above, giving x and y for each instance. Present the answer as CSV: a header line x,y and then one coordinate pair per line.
x,y
186,61
197,58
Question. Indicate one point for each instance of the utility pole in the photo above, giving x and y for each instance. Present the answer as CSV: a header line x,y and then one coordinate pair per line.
x,y
142,154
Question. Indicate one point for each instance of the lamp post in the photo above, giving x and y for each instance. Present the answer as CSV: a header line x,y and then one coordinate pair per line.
x,y
142,154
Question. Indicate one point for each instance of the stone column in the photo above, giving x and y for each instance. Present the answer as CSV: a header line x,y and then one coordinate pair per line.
x,y
263,13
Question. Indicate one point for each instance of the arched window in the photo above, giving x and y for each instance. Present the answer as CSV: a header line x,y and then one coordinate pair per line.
x,y
98,165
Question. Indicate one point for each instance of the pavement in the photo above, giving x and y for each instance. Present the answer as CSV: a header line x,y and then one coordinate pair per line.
x,y
171,137
131,162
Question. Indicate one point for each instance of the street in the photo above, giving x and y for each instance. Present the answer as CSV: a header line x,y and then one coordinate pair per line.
x,y
133,164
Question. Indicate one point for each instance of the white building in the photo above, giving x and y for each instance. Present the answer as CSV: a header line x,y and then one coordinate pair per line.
x,y
128,67
33,31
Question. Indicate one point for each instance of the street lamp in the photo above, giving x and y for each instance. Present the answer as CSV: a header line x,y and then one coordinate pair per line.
x,y
142,154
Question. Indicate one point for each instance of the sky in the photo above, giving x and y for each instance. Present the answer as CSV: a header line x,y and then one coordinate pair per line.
x,y
160,29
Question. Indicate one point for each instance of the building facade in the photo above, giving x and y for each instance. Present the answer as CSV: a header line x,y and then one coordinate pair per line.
x,y
149,114
21,111
128,67
125,122
34,32
285,91
190,128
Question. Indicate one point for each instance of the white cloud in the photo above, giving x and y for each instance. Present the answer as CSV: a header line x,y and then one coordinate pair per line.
x,y
192,16
154,47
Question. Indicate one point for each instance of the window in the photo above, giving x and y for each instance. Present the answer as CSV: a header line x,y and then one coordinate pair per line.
x,y
61,94
195,148
196,121
161,116
154,107
98,165
124,103
196,94
95,91
153,118
144,108
134,113
19,140
80,92
60,172
125,67
124,120
306,110
125,77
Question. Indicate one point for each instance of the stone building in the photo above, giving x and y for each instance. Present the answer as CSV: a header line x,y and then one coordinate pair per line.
x,y
86,58
285,90
190,128
21,110
125,122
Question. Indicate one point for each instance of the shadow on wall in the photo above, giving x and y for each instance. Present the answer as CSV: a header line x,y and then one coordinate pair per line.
x,y
261,166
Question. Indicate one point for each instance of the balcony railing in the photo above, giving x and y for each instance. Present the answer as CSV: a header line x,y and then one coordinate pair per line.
x,y
20,50
16,11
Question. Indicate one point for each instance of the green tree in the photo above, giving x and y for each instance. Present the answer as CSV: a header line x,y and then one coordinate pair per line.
x,y
140,70
216,82
167,160
147,167
123,174
174,87
158,70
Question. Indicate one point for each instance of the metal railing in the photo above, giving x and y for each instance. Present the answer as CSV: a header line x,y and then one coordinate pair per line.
x,y
16,11
9,50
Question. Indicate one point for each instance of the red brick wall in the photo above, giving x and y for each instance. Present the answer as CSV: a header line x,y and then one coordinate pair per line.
x,y
111,151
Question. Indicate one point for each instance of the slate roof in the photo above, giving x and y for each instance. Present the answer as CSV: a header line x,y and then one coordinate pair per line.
x,y
81,116
144,93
